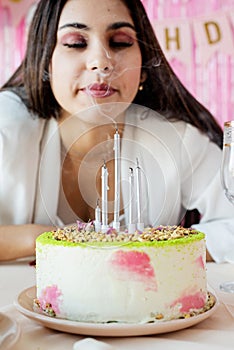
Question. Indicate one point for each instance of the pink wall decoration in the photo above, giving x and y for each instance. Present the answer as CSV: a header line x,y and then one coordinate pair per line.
x,y
17,9
14,19
197,38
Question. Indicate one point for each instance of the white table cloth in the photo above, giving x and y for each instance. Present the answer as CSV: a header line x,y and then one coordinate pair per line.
x,y
216,332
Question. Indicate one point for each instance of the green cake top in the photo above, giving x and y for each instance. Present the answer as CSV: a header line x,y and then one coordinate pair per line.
x,y
83,234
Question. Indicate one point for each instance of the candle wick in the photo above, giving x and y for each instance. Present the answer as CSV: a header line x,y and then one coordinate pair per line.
x,y
137,161
115,125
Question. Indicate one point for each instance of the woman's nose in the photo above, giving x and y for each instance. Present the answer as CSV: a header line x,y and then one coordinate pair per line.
x,y
100,62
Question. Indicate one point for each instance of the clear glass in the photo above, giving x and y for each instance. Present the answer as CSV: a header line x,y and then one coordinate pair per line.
x,y
227,178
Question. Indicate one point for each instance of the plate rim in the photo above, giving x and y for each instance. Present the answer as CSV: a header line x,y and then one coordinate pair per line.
x,y
108,329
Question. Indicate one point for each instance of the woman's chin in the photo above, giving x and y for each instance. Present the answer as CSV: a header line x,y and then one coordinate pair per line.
x,y
104,113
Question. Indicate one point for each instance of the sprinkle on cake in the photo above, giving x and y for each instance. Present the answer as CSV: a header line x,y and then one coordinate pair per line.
x,y
85,232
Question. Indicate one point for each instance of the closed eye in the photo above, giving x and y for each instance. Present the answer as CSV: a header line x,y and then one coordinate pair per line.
x,y
74,41
119,44
121,40
78,45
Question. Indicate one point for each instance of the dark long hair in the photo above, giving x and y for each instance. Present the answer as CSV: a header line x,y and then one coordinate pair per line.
x,y
163,92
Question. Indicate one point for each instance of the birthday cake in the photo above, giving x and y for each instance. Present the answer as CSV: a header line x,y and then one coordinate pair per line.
x,y
157,274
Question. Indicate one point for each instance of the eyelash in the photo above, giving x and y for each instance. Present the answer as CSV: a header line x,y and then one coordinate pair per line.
x,y
76,45
119,44
113,44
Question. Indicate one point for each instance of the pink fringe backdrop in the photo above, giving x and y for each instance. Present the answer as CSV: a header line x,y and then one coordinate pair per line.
x,y
205,68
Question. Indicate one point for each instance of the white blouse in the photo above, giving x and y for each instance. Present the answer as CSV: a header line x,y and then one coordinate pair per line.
x,y
179,171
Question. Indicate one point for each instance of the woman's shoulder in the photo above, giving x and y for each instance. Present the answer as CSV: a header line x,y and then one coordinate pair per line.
x,y
154,122
159,124
12,106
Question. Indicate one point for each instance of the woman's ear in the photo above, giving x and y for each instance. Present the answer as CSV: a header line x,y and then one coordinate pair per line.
x,y
142,80
143,76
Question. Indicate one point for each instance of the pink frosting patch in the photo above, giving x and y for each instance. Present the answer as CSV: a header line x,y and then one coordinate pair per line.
x,y
135,265
200,262
192,301
50,295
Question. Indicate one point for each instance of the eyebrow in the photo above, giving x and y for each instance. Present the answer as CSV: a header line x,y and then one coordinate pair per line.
x,y
118,25
112,26
74,25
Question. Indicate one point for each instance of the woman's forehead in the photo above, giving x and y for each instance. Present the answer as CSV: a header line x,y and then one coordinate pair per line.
x,y
87,12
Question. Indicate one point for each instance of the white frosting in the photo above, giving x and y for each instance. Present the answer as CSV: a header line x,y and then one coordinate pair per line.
x,y
125,284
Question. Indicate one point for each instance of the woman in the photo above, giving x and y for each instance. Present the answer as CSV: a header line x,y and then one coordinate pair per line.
x,y
88,72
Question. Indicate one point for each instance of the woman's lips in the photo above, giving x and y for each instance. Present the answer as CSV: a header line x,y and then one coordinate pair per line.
x,y
99,90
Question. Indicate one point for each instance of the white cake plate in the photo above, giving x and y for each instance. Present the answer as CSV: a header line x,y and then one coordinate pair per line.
x,y
24,304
